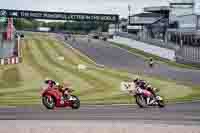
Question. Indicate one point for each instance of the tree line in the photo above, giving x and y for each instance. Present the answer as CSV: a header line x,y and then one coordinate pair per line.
x,y
70,26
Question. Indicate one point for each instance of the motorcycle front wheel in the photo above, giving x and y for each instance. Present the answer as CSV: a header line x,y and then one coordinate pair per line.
x,y
48,102
140,100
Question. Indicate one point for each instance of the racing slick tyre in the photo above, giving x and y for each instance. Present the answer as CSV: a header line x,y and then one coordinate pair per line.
x,y
48,102
140,100
161,104
76,103
160,101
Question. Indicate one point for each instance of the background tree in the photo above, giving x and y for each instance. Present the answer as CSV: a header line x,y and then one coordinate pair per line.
x,y
71,26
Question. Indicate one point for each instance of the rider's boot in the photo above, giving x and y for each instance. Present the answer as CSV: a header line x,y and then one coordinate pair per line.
x,y
153,99
148,100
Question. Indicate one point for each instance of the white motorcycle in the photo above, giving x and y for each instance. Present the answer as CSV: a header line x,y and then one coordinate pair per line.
x,y
143,97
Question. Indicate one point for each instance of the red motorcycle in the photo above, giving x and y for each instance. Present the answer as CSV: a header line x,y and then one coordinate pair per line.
x,y
53,97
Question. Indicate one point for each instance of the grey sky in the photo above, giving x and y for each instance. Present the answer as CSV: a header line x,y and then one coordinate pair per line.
x,y
93,6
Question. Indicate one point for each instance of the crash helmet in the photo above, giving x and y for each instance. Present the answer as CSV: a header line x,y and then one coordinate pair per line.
x,y
47,80
50,81
136,79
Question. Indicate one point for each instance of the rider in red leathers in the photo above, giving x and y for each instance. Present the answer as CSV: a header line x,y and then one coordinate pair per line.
x,y
50,83
65,89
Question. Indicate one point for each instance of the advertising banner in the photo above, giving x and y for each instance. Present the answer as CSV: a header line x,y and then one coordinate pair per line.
x,y
59,15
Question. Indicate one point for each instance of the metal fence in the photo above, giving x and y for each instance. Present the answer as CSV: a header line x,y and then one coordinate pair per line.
x,y
151,41
185,54
188,54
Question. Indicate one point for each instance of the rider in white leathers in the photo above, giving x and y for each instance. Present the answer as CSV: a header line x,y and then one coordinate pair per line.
x,y
144,85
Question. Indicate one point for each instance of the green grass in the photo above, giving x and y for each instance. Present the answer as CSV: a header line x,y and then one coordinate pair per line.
x,y
10,77
20,84
146,57
195,95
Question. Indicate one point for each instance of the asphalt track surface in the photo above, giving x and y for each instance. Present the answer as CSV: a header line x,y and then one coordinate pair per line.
x,y
183,114
107,54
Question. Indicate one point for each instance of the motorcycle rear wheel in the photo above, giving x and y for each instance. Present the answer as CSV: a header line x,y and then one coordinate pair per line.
x,y
140,100
76,103
161,104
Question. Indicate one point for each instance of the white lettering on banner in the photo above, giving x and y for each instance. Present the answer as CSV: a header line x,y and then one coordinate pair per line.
x,y
91,17
36,15
87,17
73,17
114,18
105,18
56,15
24,14
81,17
96,17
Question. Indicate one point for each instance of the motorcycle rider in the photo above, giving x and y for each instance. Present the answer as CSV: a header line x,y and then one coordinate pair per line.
x,y
65,89
151,62
140,83
51,83
145,86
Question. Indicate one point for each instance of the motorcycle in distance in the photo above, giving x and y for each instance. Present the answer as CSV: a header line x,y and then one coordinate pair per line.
x,y
142,96
54,98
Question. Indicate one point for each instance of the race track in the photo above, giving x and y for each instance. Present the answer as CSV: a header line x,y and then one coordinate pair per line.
x,y
107,54
183,114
